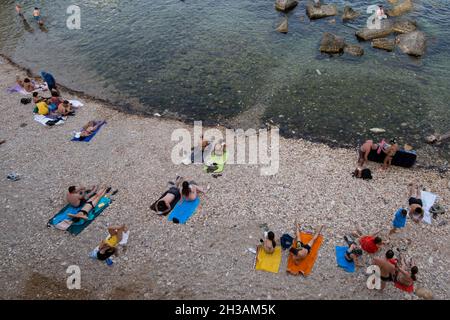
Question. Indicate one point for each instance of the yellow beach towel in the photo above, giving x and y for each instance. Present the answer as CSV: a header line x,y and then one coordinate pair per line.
x,y
269,262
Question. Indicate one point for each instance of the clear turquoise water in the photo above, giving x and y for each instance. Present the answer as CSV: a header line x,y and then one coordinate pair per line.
x,y
211,60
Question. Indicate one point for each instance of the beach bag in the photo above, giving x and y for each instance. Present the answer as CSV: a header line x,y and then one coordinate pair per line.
x,y
286,241
25,100
63,225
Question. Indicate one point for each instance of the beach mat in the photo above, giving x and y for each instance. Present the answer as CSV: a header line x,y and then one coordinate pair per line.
x,y
428,200
184,210
269,262
305,267
342,262
402,158
89,138
79,226
43,120
402,287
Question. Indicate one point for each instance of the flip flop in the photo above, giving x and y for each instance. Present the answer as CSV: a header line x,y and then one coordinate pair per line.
x,y
115,192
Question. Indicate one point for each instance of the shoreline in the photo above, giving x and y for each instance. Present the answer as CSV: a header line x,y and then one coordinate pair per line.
x,y
208,257
428,162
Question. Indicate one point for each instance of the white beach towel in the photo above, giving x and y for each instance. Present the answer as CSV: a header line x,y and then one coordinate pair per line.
x,y
43,120
76,103
428,200
125,236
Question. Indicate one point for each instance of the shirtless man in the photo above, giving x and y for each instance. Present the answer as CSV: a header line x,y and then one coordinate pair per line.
x,y
169,199
65,108
364,152
90,205
415,203
302,250
390,153
76,195
387,270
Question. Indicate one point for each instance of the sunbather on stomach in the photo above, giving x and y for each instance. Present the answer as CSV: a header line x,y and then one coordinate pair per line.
x,y
302,250
90,204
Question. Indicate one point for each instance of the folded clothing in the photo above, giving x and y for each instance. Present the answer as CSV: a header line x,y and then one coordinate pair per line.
x,y
400,286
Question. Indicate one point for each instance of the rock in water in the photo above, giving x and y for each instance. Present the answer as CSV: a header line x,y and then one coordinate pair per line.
x,y
400,9
354,50
384,43
424,293
285,5
369,34
331,43
377,130
349,13
404,26
283,27
413,43
325,10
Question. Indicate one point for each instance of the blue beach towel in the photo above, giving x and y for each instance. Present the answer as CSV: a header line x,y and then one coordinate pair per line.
x,y
49,79
184,210
87,139
79,226
341,262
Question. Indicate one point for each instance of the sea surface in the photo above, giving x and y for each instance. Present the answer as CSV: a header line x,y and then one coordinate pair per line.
x,y
221,61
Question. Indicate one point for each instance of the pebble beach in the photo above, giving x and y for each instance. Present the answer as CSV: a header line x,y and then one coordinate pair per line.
x,y
208,258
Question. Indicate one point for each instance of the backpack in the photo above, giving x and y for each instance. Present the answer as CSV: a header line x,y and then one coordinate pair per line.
x,y
25,100
286,241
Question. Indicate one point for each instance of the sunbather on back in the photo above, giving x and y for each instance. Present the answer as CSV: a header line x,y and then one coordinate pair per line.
x,y
416,212
302,250
90,204
89,128
76,195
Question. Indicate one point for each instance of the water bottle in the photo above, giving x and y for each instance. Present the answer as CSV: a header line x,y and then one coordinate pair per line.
x,y
109,262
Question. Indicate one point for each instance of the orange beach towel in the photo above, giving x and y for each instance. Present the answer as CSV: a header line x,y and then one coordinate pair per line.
x,y
305,266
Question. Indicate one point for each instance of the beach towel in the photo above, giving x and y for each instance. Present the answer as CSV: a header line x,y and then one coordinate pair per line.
x,y
428,200
342,262
305,266
219,161
18,89
76,103
269,262
184,210
400,286
76,227
88,138
46,121
49,79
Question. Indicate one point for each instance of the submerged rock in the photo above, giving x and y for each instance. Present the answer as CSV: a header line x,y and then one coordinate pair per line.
x,y
413,43
285,5
369,34
354,50
384,43
404,26
400,9
283,27
331,43
349,13
325,10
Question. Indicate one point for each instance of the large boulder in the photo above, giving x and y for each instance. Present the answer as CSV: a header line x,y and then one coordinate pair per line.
x,y
369,34
325,10
285,5
349,13
404,26
384,43
354,50
331,43
413,43
400,9
283,27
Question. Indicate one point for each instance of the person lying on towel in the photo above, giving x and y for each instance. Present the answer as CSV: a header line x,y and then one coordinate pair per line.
x,y
26,84
403,276
189,191
269,243
353,252
90,204
302,250
169,199
88,129
77,195
416,212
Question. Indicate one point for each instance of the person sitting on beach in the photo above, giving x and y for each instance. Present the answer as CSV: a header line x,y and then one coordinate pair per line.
x,y
75,196
117,235
65,109
189,191
390,151
369,243
390,256
403,276
269,243
302,250
353,252
399,221
416,212
387,270
90,205
169,199
55,98
37,98
364,150
41,108
37,16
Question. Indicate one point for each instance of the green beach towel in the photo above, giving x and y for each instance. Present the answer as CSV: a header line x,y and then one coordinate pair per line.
x,y
219,160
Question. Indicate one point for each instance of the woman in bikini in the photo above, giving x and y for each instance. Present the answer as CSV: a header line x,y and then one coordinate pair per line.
x,y
302,250
89,128
89,205
189,191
